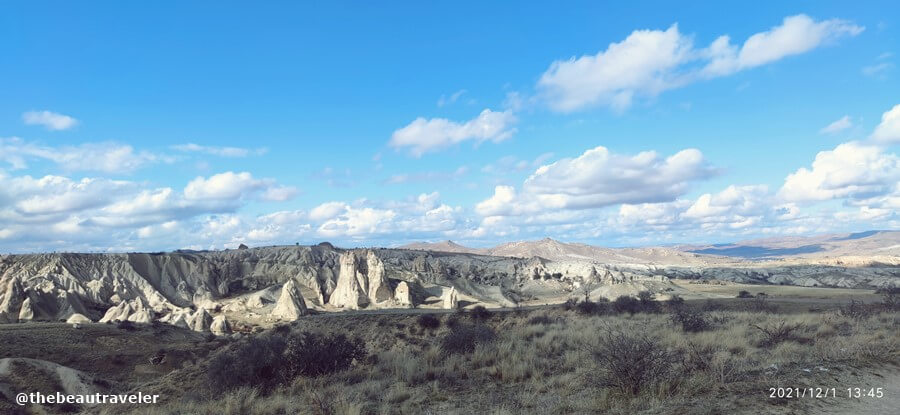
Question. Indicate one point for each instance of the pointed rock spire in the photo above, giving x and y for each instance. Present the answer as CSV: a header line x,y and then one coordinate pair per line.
x,y
290,305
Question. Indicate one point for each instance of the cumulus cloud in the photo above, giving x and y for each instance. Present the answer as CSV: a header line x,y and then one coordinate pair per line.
x,y
839,125
219,151
427,135
646,62
231,186
796,34
600,178
50,120
649,62
888,131
60,212
851,170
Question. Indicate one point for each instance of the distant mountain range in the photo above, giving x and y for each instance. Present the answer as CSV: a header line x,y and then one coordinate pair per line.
x,y
869,243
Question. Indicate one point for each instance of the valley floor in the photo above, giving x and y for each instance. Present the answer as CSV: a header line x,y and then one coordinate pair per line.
x,y
700,357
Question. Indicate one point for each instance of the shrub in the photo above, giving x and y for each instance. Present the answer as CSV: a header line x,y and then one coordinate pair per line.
x,y
675,301
890,297
480,313
428,321
690,320
856,310
626,304
311,354
629,361
464,338
744,294
570,304
541,319
774,334
588,307
126,325
646,301
251,362
267,361
760,304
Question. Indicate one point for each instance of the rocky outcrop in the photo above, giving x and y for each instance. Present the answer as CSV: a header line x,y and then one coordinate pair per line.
x,y
78,319
135,311
451,299
402,296
200,320
379,289
11,301
348,293
26,312
290,305
220,326
141,286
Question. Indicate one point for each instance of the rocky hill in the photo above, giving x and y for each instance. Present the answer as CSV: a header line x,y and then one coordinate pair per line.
x,y
222,291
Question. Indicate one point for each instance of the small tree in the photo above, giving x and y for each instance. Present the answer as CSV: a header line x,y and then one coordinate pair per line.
x,y
587,286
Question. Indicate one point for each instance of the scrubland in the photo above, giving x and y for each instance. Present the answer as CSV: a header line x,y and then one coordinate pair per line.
x,y
627,356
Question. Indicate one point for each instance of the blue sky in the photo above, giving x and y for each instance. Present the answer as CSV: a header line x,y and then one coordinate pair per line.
x,y
209,124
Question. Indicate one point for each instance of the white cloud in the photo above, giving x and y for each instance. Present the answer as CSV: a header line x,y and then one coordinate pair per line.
x,y
219,151
645,63
50,120
649,62
839,125
888,131
878,70
851,170
426,135
357,222
231,186
107,157
796,34
512,164
600,178
327,210
431,176
56,194
279,193
445,100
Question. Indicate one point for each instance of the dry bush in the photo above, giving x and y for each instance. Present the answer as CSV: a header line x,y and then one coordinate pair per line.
x,y
774,334
857,310
463,338
480,313
691,320
314,354
626,304
428,321
272,360
542,319
630,361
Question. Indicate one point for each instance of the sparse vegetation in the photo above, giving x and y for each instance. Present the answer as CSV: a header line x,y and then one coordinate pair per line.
x,y
532,361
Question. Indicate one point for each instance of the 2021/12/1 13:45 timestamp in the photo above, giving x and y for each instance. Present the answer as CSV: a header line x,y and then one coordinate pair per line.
x,y
858,393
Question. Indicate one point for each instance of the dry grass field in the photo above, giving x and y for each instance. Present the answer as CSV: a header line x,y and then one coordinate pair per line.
x,y
695,357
